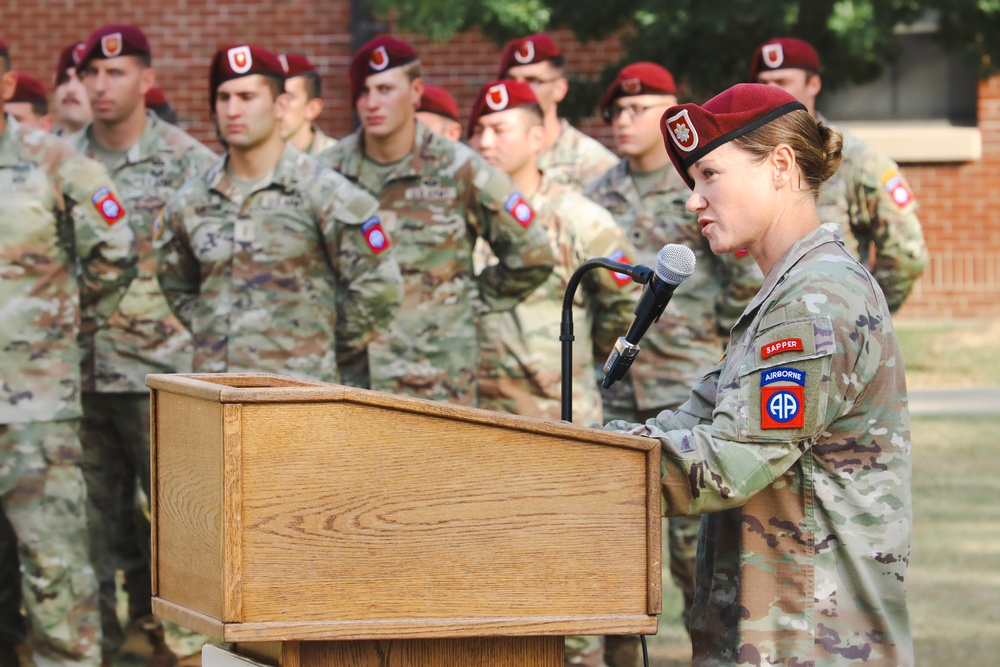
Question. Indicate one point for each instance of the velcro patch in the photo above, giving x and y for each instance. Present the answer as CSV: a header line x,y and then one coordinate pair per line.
x,y
896,188
108,206
520,209
375,236
782,405
621,278
779,346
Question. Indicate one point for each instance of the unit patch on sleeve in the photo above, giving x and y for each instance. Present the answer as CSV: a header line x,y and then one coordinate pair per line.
x,y
374,235
108,206
896,188
779,346
621,278
782,398
520,209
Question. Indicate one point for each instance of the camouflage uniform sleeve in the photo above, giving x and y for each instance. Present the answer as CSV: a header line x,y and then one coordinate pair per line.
x,y
98,233
369,282
613,295
520,243
741,279
886,215
177,268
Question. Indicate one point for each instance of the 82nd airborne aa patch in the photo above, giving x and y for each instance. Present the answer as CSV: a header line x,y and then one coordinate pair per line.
x,y
374,235
894,185
108,206
782,398
520,209
621,278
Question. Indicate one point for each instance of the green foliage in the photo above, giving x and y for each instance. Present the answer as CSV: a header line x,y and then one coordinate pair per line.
x,y
708,44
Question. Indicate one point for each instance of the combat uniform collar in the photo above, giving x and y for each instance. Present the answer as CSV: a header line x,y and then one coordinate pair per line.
x,y
820,236
141,151
412,168
283,175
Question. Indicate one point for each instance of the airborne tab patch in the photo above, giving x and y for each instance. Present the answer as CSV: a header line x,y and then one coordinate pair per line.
x,y
782,405
374,235
520,209
108,206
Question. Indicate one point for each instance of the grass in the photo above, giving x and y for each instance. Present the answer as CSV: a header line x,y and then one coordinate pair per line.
x,y
953,583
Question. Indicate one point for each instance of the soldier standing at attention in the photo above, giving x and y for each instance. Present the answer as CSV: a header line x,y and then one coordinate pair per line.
x,y
29,105
868,197
272,261
71,108
796,446
149,160
305,104
66,258
439,112
436,198
646,196
569,156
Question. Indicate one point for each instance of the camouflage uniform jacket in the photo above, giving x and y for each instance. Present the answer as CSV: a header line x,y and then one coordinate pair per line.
x,y
692,332
320,142
279,281
144,336
870,198
575,159
797,447
66,257
522,363
438,202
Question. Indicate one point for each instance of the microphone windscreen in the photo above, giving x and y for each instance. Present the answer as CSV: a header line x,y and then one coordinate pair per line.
x,y
674,263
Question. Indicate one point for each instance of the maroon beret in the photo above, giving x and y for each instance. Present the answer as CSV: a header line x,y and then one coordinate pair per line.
x,y
70,56
642,78
155,98
500,96
378,55
527,50
113,40
239,60
438,100
296,64
690,132
28,89
784,53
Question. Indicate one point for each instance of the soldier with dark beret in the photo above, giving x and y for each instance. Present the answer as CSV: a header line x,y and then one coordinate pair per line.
x,y
439,112
795,448
71,109
305,104
29,104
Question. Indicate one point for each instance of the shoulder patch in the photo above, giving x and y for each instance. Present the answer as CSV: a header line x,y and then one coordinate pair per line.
x,y
375,236
896,187
520,209
108,205
779,346
621,278
782,398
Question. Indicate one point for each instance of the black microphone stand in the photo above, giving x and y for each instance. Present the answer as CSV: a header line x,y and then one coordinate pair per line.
x,y
638,273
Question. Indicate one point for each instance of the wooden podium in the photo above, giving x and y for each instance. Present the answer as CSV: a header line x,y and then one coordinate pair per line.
x,y
314,525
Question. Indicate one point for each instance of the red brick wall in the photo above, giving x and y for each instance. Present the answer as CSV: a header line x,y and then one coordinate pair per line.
x,y
960,203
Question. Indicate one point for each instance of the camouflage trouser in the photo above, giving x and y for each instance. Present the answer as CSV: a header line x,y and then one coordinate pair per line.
x,y
12,630
44,496
117,470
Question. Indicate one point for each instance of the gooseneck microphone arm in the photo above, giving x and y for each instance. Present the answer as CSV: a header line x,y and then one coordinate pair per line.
x,y
638,273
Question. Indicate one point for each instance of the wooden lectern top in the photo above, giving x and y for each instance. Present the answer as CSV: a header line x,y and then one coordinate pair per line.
x,y
293,510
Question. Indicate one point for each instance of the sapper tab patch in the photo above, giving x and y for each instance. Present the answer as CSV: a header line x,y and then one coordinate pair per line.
x,y
621,278
782,405
779,346
374,235
108,206
520,209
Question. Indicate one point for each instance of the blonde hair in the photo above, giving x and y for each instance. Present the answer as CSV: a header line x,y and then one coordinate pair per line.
x,y
411,70
817,147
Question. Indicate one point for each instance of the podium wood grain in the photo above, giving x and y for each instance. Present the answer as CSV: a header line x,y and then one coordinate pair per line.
x,y
287,510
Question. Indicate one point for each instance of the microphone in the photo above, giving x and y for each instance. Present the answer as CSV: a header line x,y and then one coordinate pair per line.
x,y
674,263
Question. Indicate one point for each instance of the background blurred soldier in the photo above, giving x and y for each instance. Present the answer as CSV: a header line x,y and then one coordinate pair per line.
x,y
66,257
71,109
436,198
647,198
868,195
157,102
29,105
521,362
439,112
148,160
569,156
272,261
305,104
13,630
